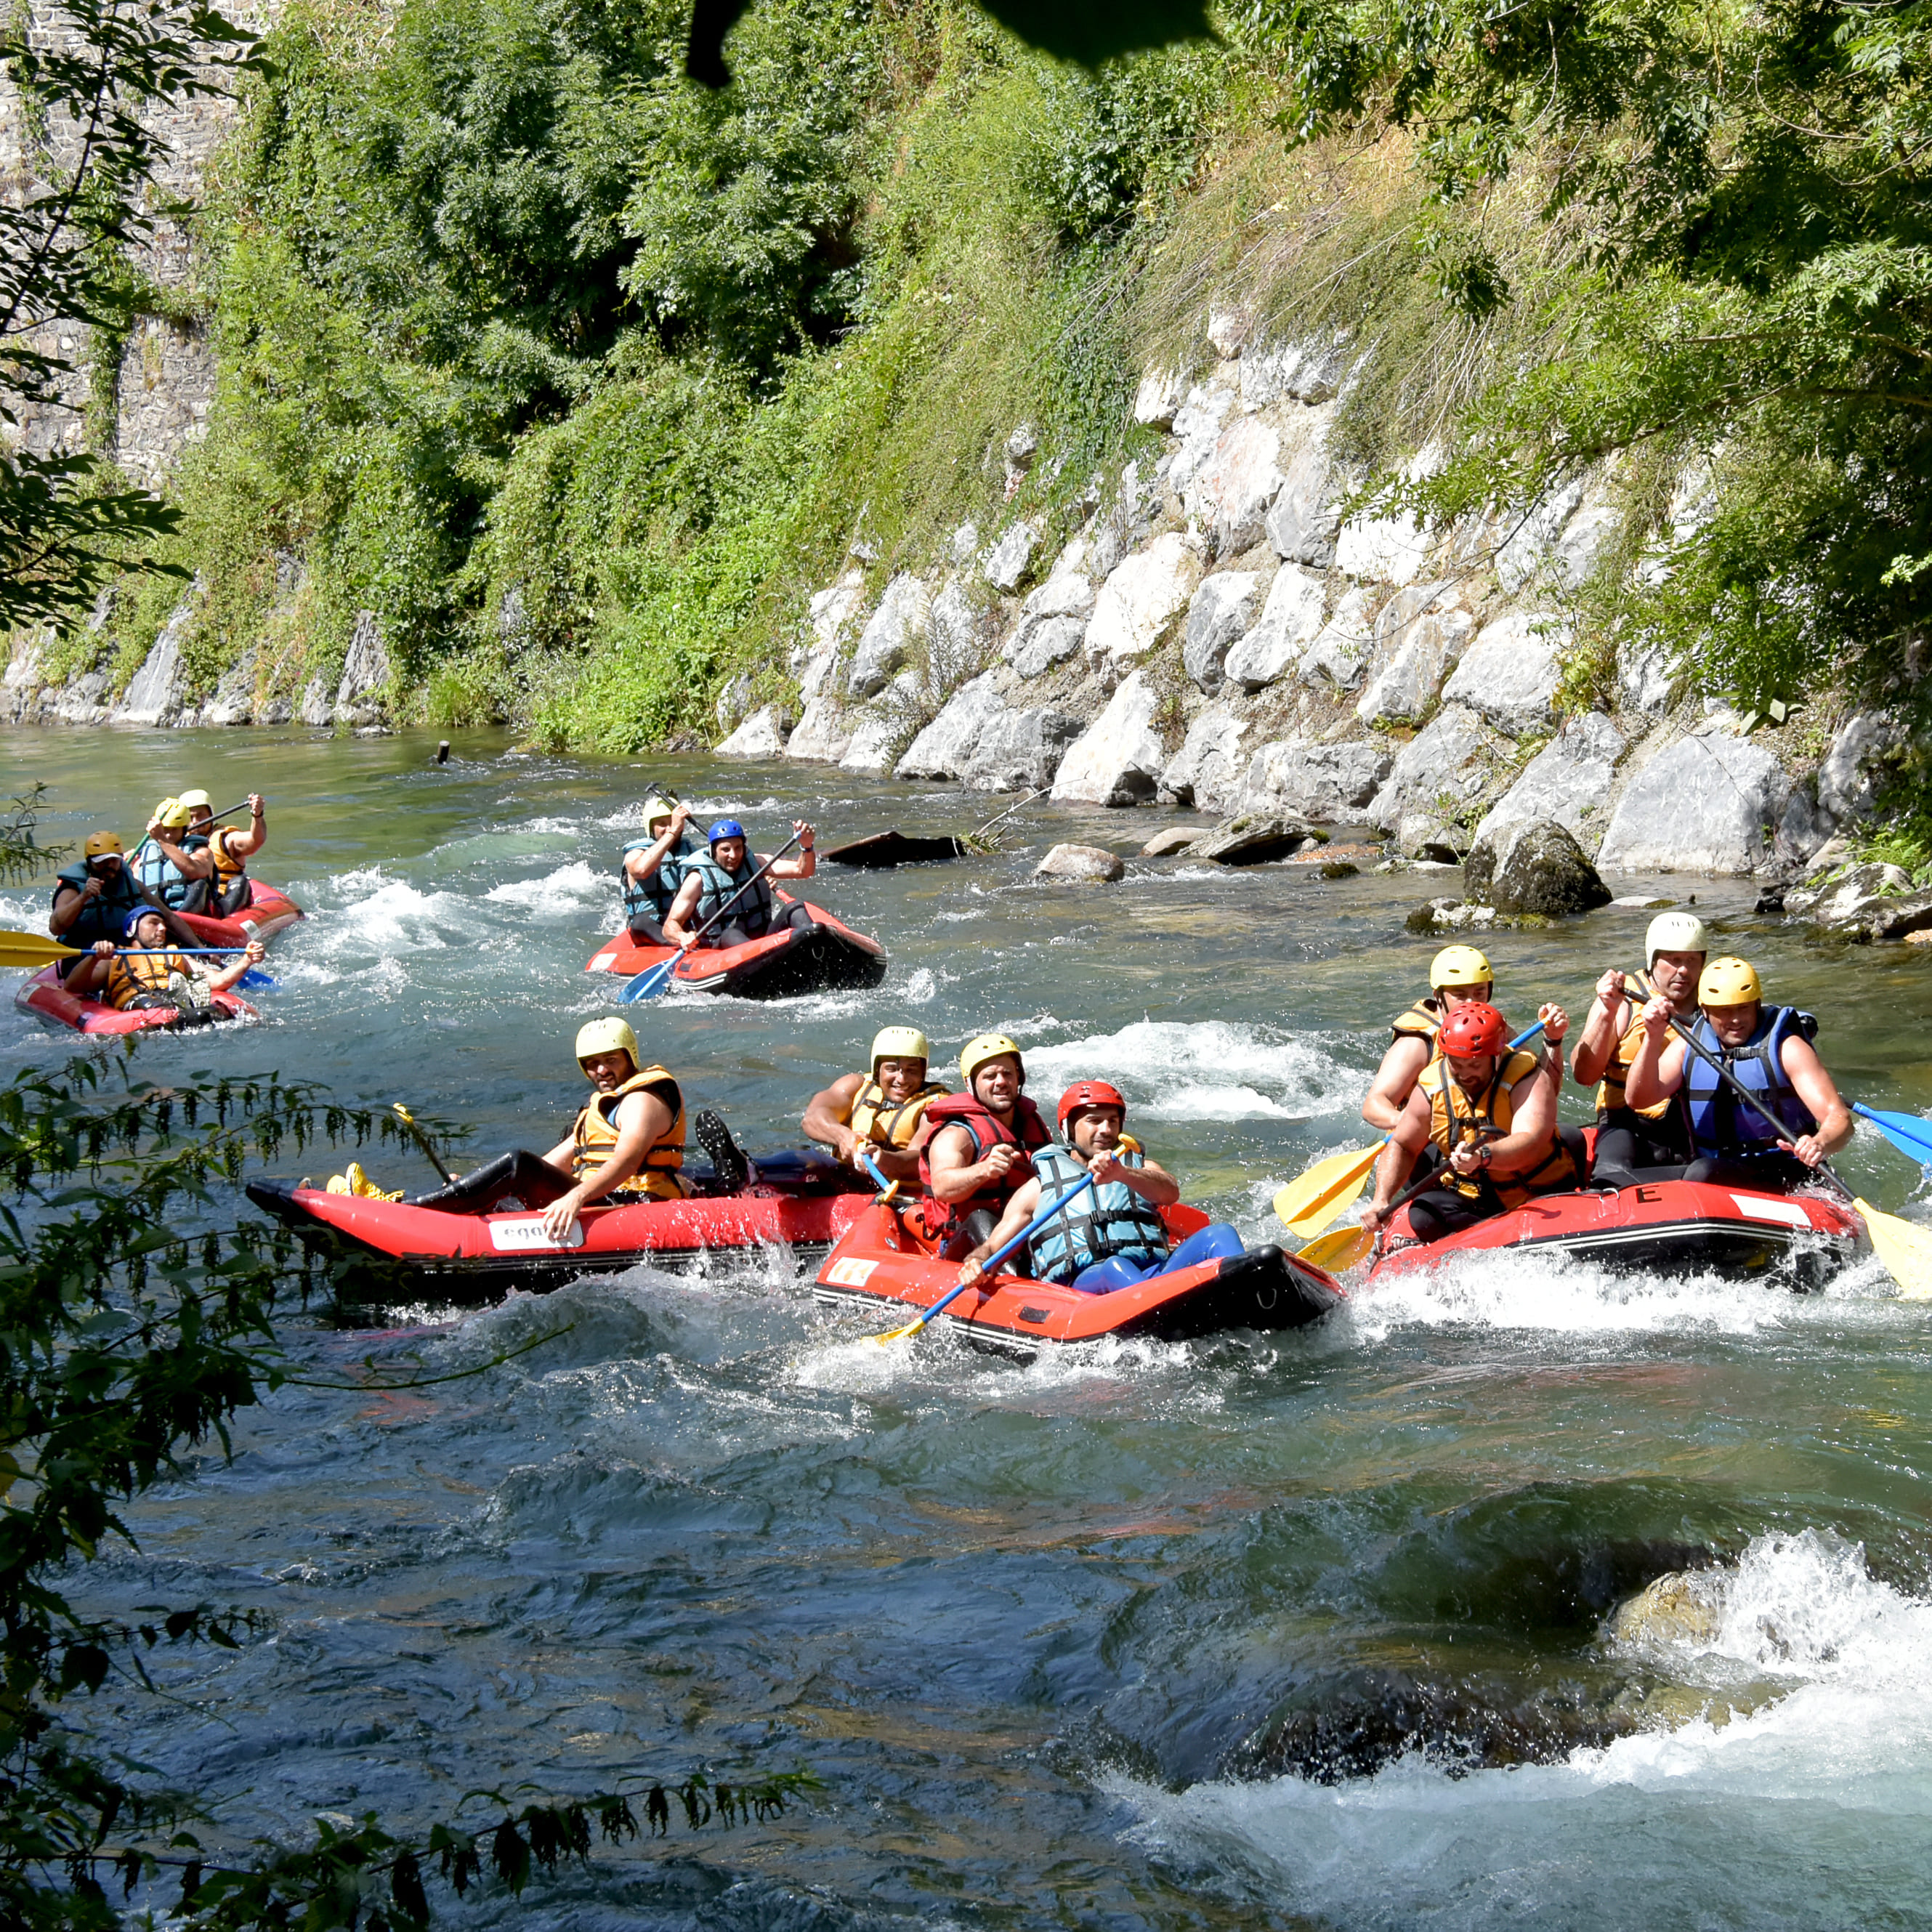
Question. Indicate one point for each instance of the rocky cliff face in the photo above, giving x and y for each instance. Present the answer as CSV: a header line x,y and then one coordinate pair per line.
x,y
1215,633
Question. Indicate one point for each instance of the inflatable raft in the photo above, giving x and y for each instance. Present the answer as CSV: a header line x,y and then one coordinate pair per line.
x,y
885,1265
827,953
1662,1227
269,910
43,993
484,1235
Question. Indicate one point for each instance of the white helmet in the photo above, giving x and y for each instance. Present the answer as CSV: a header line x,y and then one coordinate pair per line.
x,y
1674,932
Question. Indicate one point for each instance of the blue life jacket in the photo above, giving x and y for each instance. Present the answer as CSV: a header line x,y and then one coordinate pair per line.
x,y
157,873
1107,1220
652,899
753,909
106,917
1723,1126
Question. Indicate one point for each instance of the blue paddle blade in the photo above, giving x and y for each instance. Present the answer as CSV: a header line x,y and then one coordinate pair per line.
x,y
257,981
649,983
1906,1131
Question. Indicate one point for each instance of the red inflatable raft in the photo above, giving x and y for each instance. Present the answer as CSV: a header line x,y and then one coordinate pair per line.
x,y
824,954
42,993
1665,1227
885,1264
269,910
484,1235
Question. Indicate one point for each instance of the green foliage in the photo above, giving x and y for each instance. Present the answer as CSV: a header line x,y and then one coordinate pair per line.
x,y
22,856
134,1322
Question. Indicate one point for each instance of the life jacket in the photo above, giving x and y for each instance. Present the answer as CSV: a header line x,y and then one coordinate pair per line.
x,y
1722,1126
130,977
879,1122
1109,1220
652,898
1616,1073
1028,1133
1452,1111
596,1135
155,871
106,917
229,865
1422,1021
753,909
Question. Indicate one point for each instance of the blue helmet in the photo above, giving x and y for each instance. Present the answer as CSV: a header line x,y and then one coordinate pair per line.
x,y
725,828
131,923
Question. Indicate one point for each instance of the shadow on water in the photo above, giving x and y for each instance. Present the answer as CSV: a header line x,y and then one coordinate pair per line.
x,y
1312,1629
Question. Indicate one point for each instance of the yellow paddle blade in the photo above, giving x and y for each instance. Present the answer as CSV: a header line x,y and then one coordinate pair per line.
x,y
1310,1202
1340,1251
1905,1248
899,1334
32,950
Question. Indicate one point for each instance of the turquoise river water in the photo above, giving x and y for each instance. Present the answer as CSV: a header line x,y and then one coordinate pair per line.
x,y
1307,1631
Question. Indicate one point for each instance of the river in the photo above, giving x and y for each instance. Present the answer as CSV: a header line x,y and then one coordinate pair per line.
x,y
1304,1631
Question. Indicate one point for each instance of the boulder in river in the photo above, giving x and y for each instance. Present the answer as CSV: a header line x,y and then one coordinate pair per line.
x,y
1085,865
1175,839
762,735
1118,758
1535,866
1256,840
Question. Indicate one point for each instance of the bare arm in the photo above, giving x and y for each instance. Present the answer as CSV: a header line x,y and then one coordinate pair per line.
x,y
246,844
1407,1138
232,975
806,864
70,904
1532,1115
643,1120
954,1176
676,923
642,864
1658,1071
1819,1091
1395,1082
1150,1181
828,1114
1020,1210
190,864
1604,1027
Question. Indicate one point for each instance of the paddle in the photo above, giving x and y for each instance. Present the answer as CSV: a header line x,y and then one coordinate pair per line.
x,y
423,1141
1310,1201
1345,1246
987,1267
1906,1131
887,1188
27,951
1905,1249
649,983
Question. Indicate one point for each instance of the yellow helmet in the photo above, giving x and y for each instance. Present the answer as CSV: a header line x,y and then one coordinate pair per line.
x,y
1729,982
99,844
658,806
171,812
898,1043
608,1035
975,1054
1459,966
196,800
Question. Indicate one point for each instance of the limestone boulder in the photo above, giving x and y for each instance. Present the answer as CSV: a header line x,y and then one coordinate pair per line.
x,y
1197,430
1646,678
823,734
1082,864
1161,393
1404,690
365,673
1117,759
1039,644
313,707
1222,611
1309,370
1290,621
1258,840
1332,783
1302,523
1905,918
1007,562
1387,546
762,735
892,633
1230,494
1703,805
879,734
1840,900
1533,866
1567,781
233,699
1142,603
154,694
1175,839
1562,537
1339,657
1210,768
988,745
1510,674
1849,775
1431,774
84,701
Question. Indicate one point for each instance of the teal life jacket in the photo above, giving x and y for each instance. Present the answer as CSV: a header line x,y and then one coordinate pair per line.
x,y
106,917
1723,1126
652,898
156,872
753,909
1102,1222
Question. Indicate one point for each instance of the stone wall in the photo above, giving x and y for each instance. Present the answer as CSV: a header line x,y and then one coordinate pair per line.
x,y
1213,633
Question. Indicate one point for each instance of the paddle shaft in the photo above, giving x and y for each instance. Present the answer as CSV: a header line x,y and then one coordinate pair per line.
x,y
1026,1234
746,887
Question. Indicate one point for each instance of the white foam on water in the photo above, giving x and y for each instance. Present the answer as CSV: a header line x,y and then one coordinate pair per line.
x,y
563,892
1174,1070
1761,1818
382,915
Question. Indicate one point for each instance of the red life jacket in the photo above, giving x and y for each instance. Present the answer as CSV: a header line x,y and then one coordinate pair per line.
x,y
1027,1132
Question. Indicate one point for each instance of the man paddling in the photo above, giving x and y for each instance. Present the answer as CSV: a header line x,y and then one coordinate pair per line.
x,y
172,865
628,1144
1456,975
92,900
1628,1141
715,877
1111,1236
149,976
878,1117
653,870
229,850
1767,1049
976,1148
1493,1117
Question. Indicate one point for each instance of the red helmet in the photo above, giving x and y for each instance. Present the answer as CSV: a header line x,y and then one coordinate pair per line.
x,y
1472,1029
1089,1094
